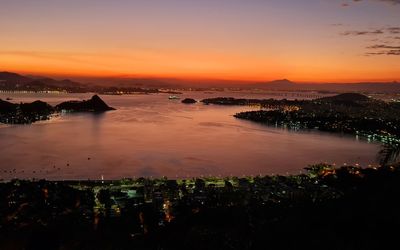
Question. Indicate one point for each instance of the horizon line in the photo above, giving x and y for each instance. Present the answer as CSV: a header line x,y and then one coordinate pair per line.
x,y
178,78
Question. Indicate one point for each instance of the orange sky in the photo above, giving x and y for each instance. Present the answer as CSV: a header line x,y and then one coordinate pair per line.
x,y
305,41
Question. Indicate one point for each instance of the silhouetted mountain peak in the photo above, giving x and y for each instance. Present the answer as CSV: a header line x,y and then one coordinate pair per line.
x,y
282,81
276,84
7,73
95,104
98,102
10,76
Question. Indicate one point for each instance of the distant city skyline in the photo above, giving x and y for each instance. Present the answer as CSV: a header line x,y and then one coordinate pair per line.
x,y
257,40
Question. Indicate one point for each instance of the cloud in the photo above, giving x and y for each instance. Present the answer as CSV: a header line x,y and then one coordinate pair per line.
x,y
386,1
394,52
381,46
388,46
383,49
392,30
391,1
362,32
387,36
347,3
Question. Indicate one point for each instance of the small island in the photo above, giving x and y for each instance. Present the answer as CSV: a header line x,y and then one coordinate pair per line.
x,y
95,104
189,101
27,113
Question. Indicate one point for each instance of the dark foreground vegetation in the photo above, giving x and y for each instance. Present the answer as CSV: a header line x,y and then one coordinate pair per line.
x,y
26,113
326,208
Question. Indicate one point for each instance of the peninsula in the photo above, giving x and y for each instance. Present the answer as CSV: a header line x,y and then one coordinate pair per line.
x,y
344,113
26,113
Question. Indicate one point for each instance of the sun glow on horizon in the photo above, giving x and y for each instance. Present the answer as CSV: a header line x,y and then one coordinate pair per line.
x,y
229,40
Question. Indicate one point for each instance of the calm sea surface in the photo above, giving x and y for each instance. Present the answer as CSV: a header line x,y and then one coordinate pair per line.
x,y
150,135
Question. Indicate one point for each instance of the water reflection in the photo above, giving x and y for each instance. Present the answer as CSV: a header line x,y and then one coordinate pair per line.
x,y
149,135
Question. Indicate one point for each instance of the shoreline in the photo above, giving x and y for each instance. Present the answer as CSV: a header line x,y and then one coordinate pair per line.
x,y
211,178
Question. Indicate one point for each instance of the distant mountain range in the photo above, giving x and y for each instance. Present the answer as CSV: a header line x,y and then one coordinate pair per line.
x,y
14,81
386,87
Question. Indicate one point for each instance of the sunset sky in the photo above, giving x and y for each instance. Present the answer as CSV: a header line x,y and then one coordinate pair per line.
x,y
302,40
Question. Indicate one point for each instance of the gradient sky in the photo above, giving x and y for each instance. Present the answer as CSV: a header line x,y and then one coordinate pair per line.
x,y
303,40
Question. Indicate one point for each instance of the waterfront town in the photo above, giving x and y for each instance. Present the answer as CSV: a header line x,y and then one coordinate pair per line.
x,y
350,113
324,202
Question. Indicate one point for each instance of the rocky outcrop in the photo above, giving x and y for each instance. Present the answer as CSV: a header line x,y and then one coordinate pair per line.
x,y
189,101
95,104
26,113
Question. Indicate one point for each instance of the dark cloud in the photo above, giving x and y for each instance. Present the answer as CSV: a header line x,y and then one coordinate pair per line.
x,y
393,30
387,1
346,3
385,30
393,52
362,32
384,49
387,36
382,46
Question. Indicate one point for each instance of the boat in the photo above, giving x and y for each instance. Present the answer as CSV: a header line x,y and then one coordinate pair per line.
x,y
173,97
